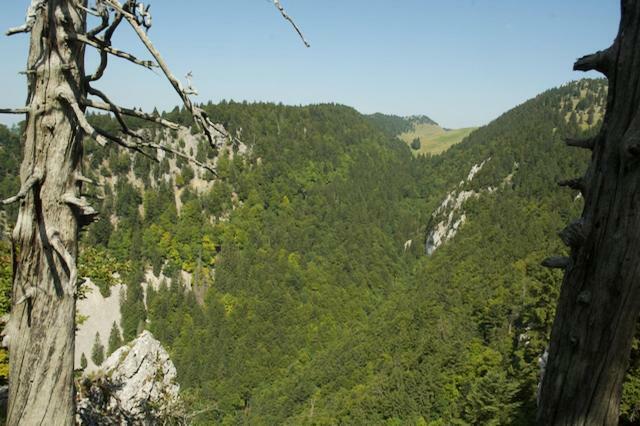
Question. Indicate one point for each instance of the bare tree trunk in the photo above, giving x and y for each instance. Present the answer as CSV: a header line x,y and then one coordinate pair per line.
x,y
42,325
599,302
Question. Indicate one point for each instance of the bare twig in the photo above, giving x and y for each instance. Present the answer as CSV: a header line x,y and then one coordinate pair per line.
x,y
89,11
101,45
286,16
14,110
131,113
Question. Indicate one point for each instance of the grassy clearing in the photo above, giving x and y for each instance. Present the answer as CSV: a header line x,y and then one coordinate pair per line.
x,y
434,139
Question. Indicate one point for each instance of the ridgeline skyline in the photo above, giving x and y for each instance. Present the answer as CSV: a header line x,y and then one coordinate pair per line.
x,y
462,63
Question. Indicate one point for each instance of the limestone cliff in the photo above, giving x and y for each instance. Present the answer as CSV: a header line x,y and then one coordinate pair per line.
x,y
135,385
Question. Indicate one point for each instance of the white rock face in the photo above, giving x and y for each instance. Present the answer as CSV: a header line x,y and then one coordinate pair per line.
x,y
475,169
135,385
100,313
452,211
450,214
446,229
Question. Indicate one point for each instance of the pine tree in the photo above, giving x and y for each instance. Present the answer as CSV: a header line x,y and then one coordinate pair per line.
x,y
83,361
416,144
115,339
97,352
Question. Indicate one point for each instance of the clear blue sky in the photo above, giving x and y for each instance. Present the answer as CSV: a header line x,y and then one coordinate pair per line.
x,y
462,62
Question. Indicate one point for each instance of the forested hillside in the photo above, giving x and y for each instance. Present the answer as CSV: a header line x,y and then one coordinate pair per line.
x,y
300,289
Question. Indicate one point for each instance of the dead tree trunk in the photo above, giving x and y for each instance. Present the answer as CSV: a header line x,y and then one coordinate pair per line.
x,y
599,302
41,329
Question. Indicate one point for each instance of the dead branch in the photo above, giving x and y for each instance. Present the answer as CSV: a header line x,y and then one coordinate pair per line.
x,y
588,143
198,114
59,247
556,262
104,57
179,154
14,110
82,119
131,113
33,180
137,146
29,293
577,184
84,179
103,13
116,113
89,11
123,143
32,13
286,16
101,45
600,61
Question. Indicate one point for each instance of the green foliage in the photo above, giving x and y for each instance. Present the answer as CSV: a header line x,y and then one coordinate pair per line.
x,y
83,361
97,351
10,157
97,264
393,125
115,339
415,144
6,278
305,308
132,304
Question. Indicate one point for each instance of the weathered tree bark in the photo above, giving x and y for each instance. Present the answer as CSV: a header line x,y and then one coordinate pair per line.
x,y
41,329
599,301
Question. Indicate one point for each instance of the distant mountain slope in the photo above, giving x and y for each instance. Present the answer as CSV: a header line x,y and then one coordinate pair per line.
x,y
433,138
394,125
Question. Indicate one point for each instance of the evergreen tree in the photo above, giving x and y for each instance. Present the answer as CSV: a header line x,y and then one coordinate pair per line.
x,y
97,352
115,339
416,144
83,361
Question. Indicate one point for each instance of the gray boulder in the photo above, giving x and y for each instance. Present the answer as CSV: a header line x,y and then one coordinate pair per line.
x,y
134,385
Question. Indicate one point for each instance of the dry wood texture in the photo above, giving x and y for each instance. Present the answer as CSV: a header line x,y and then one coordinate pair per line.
x,y
41,327
599,302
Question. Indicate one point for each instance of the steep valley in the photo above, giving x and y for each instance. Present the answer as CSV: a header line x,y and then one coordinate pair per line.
x,y
304,285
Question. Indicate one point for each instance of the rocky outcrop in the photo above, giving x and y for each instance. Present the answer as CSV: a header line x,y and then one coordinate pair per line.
x,y
449,216
454,218
135,385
